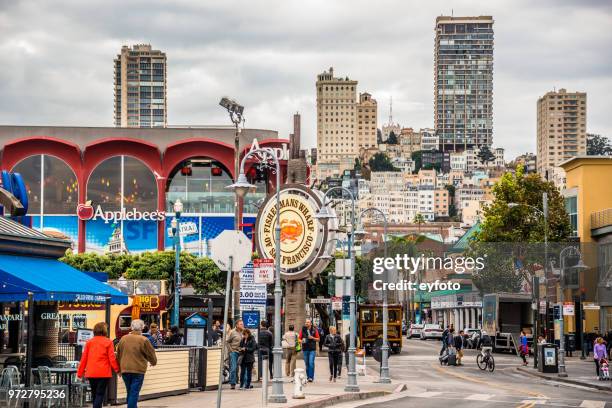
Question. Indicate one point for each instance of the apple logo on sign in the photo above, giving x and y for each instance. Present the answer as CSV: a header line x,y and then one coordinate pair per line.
x,y
85,211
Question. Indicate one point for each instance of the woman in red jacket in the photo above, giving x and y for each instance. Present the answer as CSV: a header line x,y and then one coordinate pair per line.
x,y
97,362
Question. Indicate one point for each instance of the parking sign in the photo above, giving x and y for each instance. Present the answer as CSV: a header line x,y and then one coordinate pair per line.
x,y
251,318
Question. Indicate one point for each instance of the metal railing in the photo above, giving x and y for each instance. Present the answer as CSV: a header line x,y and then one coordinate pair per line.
x,y
71,351
601,219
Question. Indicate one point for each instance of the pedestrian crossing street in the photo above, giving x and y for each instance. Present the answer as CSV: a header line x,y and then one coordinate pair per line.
x,y
521,401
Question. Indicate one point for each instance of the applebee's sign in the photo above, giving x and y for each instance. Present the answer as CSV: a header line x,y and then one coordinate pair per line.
x,y
86,212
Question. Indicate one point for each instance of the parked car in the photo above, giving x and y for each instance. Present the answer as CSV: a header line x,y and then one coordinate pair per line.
x,y
415,330
431,331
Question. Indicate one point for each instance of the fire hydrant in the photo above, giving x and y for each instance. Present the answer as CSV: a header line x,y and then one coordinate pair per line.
x,y
299,381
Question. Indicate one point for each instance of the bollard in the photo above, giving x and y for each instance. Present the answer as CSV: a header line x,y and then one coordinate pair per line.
x,y
264,378
299,381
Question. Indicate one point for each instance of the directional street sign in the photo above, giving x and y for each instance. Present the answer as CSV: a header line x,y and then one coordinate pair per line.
x,y
231,243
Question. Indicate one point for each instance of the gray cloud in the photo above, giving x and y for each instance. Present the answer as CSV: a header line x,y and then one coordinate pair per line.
x,y
57,58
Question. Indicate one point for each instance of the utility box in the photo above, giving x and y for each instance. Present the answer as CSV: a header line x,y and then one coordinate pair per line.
x,y
548,358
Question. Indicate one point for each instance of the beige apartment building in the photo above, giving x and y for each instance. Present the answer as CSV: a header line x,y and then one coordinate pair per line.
x,y
336,123
561,132
367,121
140,87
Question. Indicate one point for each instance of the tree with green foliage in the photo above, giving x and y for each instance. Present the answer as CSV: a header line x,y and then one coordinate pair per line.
x,y
392,139
201,273
381,162
485,155
417,158
598,145
508,235
419,220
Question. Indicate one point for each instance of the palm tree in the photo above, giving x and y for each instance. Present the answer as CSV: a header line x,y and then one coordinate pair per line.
x,y
420,220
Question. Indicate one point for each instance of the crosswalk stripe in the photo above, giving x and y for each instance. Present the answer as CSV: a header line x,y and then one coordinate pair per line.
x,y
592,404
532,402
479,397
427,394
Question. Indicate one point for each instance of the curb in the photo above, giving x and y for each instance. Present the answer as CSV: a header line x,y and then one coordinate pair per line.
x,y
346,397
605,388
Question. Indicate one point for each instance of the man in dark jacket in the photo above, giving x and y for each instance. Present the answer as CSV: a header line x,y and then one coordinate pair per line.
x,y
445,335
266,343
176,338
458,342
335,347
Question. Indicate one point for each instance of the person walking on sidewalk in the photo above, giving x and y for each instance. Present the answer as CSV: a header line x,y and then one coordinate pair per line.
x,y
335,346
97,362
309,337
599,352
233,339
247,354
524,348
266,342
458,342
290,338
134,351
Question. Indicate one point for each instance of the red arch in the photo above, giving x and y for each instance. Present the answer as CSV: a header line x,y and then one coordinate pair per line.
x,y
17,150
100,150
200,147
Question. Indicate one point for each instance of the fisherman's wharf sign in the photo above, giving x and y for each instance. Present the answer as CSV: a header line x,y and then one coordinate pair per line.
x,y
301,235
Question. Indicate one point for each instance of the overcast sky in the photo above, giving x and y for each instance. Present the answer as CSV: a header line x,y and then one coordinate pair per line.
x,y
57,58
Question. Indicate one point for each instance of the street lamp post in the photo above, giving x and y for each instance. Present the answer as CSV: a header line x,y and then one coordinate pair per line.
x,y
384,370
241,187
235,111
323,215
176,231
331,258
571,251
535,283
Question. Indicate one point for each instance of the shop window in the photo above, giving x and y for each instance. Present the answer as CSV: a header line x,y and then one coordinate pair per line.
x,y
201,184
51,182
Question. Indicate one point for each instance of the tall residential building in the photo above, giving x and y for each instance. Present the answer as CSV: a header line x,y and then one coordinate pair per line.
x,y
561,131
140,87
367,121
336,124
463,82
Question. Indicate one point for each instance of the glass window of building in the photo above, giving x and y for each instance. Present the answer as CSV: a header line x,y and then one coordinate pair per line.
x,y
52,186
571,206
122,181
201,184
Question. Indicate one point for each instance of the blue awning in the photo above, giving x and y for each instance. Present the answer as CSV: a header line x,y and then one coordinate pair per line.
x,y
51,280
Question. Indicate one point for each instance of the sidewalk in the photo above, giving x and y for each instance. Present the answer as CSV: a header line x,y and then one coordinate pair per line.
x,y
319,393
579,372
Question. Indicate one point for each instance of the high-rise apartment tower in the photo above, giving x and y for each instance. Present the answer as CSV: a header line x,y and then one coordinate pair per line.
x,y
140,87
561,131
463,82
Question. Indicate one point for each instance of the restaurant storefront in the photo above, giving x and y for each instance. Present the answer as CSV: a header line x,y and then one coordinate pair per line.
x,y
112,191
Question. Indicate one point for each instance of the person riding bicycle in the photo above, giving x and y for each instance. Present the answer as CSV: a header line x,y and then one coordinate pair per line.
x,y
485,344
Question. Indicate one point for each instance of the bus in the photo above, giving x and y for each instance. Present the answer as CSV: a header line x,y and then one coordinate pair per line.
x,y
147,300
370,326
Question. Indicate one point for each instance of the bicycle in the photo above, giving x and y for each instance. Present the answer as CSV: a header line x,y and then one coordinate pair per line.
x,y
485,361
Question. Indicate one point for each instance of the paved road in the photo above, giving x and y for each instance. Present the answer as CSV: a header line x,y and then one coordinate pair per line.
x,y
430,385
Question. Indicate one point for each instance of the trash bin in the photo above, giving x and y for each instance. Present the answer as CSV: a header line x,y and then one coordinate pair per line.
x,y
548,358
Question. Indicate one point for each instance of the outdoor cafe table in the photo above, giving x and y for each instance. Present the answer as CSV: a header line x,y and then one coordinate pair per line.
x,y
63,376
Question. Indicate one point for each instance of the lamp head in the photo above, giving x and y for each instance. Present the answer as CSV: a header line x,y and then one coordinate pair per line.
x,y
242,186
581,265
178,206
323,215
359,233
